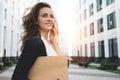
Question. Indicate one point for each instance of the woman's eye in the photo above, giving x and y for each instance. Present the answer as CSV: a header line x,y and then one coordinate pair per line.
x,y
51,16
44,15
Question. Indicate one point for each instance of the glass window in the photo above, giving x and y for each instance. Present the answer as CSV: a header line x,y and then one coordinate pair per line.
x,y
11,44
80,33
99,5
113,48
80,18
100,25
85,14
38,0
92,48
5,15
85,31
4,37
12,20
13,5
6,1
85,50
84,1
18,11
80,50
111,21
101,50
79,3
91,10
109,2
92,29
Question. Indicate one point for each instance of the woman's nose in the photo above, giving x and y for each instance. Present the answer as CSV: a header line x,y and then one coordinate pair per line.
x,y
50,19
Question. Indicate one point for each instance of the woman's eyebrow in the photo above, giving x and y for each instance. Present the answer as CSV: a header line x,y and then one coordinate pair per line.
x,y
44,13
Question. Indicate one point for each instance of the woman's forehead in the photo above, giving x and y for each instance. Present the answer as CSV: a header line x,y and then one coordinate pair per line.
x,y
46,10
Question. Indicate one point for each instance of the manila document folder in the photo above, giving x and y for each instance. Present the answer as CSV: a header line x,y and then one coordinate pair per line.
x,y
49,68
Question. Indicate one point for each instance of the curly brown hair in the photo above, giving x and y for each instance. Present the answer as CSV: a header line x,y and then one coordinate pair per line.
x,y
30,26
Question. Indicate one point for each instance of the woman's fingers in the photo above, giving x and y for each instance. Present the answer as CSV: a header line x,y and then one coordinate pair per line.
x,y
53,35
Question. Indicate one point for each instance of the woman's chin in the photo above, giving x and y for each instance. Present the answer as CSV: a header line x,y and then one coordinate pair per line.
x,y
49,29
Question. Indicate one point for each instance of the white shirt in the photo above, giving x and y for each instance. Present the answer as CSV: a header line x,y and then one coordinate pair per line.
x,y
49,48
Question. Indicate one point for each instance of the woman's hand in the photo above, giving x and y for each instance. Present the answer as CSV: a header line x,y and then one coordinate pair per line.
x,y
53,40
53,36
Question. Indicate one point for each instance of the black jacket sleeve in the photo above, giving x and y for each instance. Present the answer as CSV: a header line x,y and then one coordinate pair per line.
x,y
33,48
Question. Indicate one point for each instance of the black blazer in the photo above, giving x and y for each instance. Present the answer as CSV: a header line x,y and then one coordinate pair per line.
x,y
33,48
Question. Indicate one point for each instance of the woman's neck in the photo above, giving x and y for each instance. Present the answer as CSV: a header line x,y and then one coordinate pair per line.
x,y
44,34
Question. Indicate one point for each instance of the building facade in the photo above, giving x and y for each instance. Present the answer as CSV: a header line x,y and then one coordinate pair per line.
x,y
9,29
11,12
99,25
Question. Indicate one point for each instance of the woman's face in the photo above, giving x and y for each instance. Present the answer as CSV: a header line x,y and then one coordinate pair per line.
x,y
46,19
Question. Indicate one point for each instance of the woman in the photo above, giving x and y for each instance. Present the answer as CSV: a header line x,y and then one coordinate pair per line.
x,y
39,39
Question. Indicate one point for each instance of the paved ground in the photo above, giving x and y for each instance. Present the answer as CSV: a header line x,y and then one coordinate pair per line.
x,y
75,73
80,73
6,75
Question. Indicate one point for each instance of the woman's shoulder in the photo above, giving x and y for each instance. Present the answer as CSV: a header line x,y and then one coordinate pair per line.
x,y
34,46
35,40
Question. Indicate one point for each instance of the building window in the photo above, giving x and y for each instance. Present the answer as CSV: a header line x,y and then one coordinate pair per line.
x,y
11,48
4,37
101,50
85,31
5,15
13,5
38,0
80,18
80,50
80,33
4,43
18,11
84,1
92,29
79,3
99,5
85,14
85,50
12,20
111,21
92,48
100,25
113,48
91,10
109,2
6,1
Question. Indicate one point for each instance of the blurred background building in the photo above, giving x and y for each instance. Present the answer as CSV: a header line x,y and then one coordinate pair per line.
x,y
89,29
99,27
11,12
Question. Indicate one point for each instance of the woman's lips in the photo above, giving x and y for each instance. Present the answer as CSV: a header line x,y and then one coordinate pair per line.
x,y
49,23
